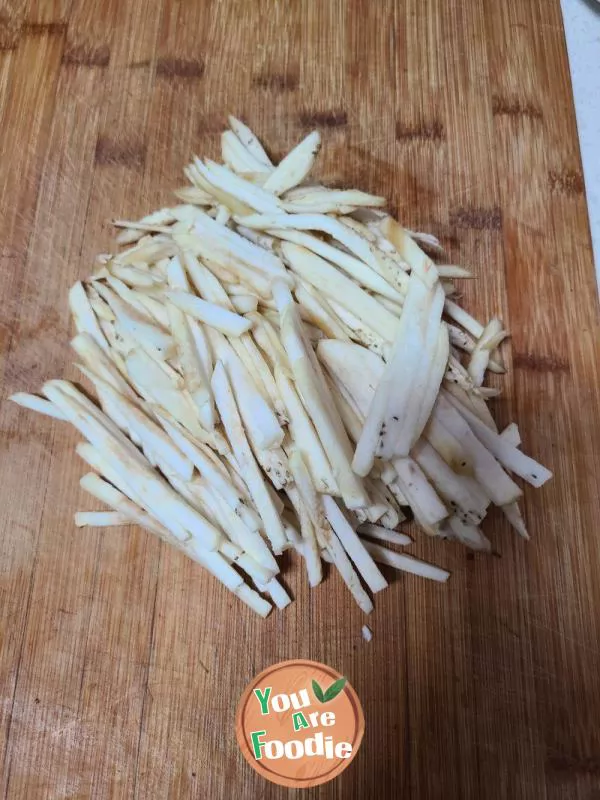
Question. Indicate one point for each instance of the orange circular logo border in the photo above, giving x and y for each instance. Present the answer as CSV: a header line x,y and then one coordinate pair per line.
x,y
271,774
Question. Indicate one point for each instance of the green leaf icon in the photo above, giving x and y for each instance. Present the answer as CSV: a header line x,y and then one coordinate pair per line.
x,y
318,692
333,691
335,688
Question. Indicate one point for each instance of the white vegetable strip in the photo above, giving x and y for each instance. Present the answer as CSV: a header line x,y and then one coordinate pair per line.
x,y
352,421
101,519
327,423
252,568
459,491
354,367
197,179
511,434
295,167
225,321
410,405
437,369
207,285
39,404
396,380
138,326
453,271
194,375
250,141
219,240
305,437
308,515
259,199
360,331
383,534
259,419
151,488
319,312
213,475
176,277
100,307
488,471
463,341
513,515
192,194
135,277
353,545
83,315
202,345
424,501
406,563
233,425
218,566
249,540
319,200
238,157
103,491
244,303
333,283
474,402
490,338
409,250
264,377
143,429
354,267
316,222
338,556
507,454
463,318
129,297
469,535
154,383
278,594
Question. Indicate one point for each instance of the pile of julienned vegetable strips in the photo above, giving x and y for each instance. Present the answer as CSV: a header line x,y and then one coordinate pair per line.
x,y
281,365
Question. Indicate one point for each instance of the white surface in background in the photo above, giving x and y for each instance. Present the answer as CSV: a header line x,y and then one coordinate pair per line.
x,y
582,28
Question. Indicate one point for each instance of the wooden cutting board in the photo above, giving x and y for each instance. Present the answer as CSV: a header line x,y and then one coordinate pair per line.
x,y
121,663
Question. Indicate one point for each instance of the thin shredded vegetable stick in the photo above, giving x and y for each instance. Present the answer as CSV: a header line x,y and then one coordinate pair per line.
x,y
39,404
406,563
250,141
83,314
383,534
101,519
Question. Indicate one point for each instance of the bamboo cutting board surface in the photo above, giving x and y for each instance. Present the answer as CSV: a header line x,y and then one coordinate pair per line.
x,y
121,662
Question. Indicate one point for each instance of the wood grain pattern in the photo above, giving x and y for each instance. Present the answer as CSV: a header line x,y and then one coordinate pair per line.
x,y
121,663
